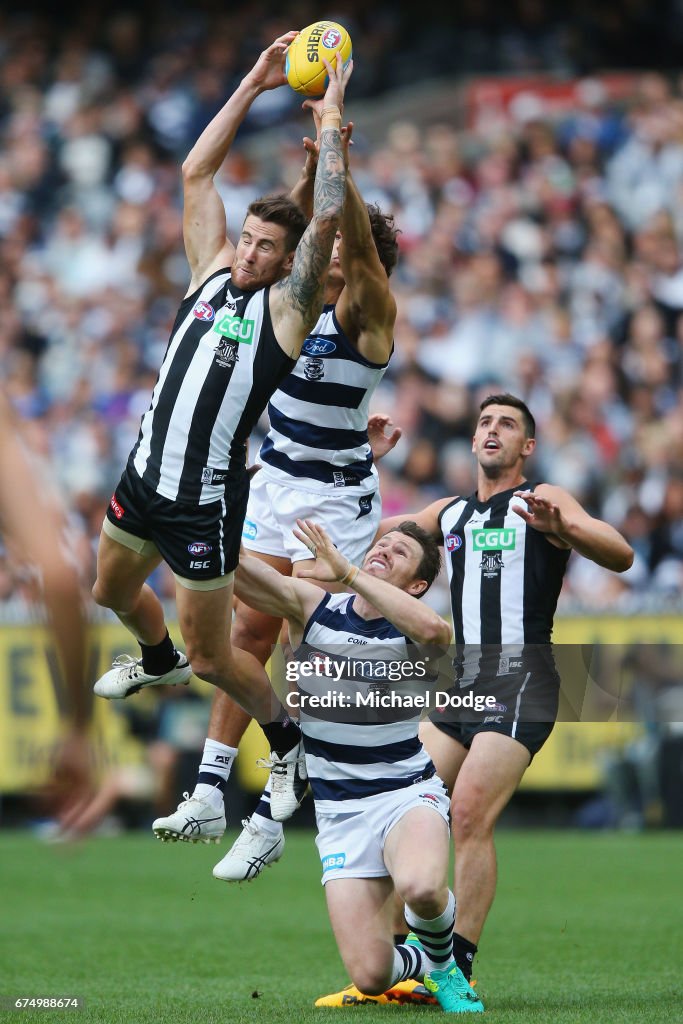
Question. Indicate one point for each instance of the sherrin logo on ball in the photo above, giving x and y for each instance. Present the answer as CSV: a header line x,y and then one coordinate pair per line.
x,y
304,66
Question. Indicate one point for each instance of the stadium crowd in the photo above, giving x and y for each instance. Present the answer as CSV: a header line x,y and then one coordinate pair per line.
x,y
540,255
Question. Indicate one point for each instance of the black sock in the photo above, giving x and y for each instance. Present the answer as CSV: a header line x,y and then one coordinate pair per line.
x,y
463,951
282,734
159,658
400,938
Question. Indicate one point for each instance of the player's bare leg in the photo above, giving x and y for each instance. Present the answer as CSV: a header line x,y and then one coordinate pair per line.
x,y
489,776
121,586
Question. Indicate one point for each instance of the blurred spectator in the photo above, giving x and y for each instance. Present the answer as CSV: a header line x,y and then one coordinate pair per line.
x,y
541,246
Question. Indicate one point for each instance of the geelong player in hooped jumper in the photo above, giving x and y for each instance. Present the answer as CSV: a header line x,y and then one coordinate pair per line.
x,y
504,591
381,810
238,333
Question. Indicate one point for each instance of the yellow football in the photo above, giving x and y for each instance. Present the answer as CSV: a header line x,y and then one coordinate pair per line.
x,y
304,66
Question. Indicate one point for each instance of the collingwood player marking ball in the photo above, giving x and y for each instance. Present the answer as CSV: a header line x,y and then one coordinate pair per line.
x,y
304,66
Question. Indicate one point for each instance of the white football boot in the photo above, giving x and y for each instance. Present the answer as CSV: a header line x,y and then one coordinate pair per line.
x,y
196,820
252,851
126,676
288,781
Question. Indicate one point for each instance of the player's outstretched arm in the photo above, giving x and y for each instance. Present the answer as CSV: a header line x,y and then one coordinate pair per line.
x,y
417,620
204,225
262,587
366,301
296,302
32,525
554,511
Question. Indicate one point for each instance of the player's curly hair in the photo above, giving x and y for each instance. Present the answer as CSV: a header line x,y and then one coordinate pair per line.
x,y
430,564
283,211
385,236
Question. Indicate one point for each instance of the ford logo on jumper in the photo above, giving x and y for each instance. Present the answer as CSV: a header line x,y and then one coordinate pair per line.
x,y
318,347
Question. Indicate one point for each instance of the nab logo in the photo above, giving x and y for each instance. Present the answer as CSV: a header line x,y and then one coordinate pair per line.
x,y
318,347
334,860
453,542
249,530
203,311
198,547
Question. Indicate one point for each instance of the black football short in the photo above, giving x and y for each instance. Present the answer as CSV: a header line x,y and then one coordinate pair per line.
x,y
525,708
199,542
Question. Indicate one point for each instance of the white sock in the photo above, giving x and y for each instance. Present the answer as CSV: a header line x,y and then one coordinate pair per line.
x,y
435,935
267,825
409,962
214,769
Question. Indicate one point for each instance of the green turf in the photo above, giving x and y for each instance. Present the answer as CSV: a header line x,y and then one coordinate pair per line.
x,y
585,928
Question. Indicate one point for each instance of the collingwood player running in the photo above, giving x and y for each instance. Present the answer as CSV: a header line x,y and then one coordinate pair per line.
x,y
238,333
506,549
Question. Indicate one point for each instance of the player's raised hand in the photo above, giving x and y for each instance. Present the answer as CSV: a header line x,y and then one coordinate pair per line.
x,y
380,442
540,513
330,564
337,80
269,70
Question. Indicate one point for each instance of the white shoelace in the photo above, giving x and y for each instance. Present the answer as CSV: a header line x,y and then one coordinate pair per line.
x,y
128,666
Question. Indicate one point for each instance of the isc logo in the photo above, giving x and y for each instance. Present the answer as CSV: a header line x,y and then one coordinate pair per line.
x,y
334,860
494,540
200,565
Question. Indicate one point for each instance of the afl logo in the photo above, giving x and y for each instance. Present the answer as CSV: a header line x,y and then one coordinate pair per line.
x,y
331,38
453,542
198,547
203,311
318,347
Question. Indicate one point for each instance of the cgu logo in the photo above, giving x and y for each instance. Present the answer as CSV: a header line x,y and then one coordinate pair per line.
x,y
318,347
494,540
235,328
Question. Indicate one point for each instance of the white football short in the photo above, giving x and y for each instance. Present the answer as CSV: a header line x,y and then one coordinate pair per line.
x,y
351,844
273,509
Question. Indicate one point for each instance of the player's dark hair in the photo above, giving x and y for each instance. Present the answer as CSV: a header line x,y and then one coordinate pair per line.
x,y
385,236
516,403
430,564
281,210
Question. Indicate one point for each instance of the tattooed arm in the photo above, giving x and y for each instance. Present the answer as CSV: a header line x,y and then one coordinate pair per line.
x,y
296,302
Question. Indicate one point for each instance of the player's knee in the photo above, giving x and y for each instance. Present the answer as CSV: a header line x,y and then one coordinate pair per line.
x,y
468,818
424,896
204,666
248,636
371,979
107,596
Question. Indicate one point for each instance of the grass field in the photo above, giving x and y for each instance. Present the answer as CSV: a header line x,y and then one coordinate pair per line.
x,y
585,928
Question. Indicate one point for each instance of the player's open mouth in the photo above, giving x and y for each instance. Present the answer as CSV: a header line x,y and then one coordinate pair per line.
x,y
377,563
492,445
